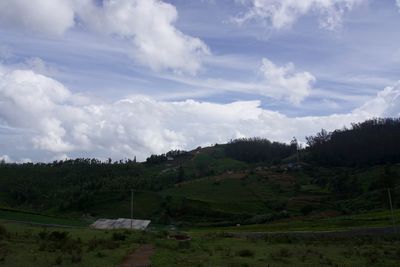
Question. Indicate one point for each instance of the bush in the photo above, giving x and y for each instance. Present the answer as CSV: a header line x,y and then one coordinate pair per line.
x,y
3,232
58,236
58,260
76,257
284,253
118,236
184,244
245,253
102,243
307,209
100,254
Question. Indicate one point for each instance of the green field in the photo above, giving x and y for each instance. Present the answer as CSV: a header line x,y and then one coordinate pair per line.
x,y
218,251
345,222
23,245
14,215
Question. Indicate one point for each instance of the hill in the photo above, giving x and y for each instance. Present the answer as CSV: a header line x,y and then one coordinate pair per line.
x,y
246,181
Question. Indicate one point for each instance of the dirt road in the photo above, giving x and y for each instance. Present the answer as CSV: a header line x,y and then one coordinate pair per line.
x,y
139,258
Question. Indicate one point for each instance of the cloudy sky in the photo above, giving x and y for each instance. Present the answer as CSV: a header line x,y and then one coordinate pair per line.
x,y
125,78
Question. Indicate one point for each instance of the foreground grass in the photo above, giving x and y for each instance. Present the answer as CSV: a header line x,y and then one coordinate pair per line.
x,y
23,245
219,251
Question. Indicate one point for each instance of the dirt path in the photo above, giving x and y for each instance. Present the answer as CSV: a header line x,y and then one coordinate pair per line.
x,y
139,258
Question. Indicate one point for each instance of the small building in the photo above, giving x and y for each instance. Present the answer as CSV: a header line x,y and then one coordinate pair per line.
x,y
121,223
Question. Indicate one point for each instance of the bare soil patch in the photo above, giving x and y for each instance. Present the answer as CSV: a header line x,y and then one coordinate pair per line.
x,y
139,258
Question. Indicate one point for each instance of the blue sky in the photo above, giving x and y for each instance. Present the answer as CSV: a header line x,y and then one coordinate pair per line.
x,y
271,68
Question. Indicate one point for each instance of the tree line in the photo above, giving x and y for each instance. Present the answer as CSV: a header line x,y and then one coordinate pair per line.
x,y
259,150
375,141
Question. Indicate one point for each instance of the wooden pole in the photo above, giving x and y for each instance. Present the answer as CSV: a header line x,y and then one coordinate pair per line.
x,y
391,210
131,209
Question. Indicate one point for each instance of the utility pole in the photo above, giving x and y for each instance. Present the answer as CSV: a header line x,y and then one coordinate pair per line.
x,y
131,209
391,210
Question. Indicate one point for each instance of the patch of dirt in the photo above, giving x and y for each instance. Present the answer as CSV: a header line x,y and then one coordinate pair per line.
x,y
216,178
180,237
139,258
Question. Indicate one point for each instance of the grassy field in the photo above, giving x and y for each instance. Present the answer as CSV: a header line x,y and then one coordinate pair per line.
x,y
16,215
218,251
22,245
345,222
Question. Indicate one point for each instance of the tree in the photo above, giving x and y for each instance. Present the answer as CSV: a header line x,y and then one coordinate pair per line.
x,y
181,174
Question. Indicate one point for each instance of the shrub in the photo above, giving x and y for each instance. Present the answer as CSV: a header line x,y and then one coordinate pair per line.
x,y
245,253
58,260
43,235
3,232
58,236
186,244
100,254
284,253
76,257
102,243
307,209
118,236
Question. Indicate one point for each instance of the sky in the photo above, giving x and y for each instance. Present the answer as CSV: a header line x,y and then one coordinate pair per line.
x,y
124,78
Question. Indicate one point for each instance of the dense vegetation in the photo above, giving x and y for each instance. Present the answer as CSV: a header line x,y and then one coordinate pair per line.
x,y
372,142
259,150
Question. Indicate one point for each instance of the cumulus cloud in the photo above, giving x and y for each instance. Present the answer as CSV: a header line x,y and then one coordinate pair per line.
x,y
4,158
285,82
277,82
147,26
53,124
42,16
386,103
281,14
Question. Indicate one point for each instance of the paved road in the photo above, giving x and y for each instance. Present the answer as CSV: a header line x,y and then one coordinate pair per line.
x,y
322,234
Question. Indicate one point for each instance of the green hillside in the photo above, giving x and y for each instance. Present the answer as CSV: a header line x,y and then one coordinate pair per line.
x,y
246,181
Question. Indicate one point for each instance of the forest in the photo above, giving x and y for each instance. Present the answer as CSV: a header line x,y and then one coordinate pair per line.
x,y
375,141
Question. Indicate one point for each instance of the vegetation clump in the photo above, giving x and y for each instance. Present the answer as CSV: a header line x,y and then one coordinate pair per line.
x,y
245,253
3,232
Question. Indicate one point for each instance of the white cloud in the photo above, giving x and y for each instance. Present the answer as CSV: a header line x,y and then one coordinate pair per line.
x,y
39,66
149,25
284,13
286,83
5,158
42,16
398,3
57,125
277,82
386,103
146,26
